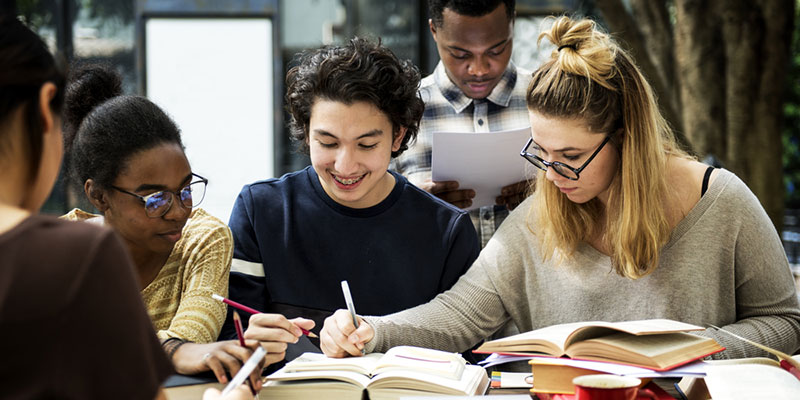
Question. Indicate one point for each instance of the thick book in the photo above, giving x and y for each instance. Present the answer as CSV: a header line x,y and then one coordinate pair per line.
x,y
402,371
658,344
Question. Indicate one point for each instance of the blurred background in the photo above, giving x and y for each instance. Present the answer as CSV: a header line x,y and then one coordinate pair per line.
x,y
727,74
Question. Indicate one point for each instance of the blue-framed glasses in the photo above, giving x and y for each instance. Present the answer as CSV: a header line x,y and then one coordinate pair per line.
x,y
158,204
562,169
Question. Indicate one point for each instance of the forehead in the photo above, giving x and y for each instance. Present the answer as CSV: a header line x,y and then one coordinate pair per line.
x,y
164,165
465,31
343,119
556,133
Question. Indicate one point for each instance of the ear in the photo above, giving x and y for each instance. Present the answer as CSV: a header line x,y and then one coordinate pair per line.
x,y
433,29
96,195
46,94
398,138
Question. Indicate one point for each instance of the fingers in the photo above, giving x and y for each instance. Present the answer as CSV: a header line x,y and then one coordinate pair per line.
x,y
272,328
439,187
460,198
304,323
339,338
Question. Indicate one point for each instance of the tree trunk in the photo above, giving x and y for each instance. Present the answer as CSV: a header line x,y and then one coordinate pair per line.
x,y
730,60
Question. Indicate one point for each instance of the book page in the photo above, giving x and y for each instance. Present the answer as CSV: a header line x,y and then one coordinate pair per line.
x,y
651,351
470,382
319,362
354,378
751,381
548,340
428,361
640,327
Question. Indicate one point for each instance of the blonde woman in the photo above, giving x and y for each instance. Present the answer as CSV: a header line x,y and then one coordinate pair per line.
x,y
623,225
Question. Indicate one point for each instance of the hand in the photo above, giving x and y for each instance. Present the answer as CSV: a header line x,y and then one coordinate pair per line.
x,y
274,331
449,192
339,338
513,194
193,358
240,393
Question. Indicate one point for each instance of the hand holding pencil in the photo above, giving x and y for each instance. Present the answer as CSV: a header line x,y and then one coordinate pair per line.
x,y
273,331
345,333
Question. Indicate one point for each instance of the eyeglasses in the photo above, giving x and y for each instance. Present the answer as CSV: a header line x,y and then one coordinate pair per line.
x,y
159,203
562,169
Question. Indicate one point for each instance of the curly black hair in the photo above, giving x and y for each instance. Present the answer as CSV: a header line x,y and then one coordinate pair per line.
x,y
26,65
357,71
103,129
472,8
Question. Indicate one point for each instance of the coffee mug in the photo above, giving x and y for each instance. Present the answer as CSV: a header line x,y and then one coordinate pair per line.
x,y
606,387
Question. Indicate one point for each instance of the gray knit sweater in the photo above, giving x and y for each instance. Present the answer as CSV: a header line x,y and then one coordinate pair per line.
x,y
724,265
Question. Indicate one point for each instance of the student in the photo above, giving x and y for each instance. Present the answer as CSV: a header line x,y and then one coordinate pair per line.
x,y
129,157
622,226
474,88
72,324
353,107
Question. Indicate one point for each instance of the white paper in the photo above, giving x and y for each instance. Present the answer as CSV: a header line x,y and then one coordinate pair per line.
x,y
483,162
751,381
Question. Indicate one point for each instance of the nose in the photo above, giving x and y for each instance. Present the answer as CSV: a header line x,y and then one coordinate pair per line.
x,y
479,66
346,163
552,176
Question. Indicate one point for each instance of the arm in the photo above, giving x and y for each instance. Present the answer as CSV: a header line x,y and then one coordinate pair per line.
x,y
207,260
767,308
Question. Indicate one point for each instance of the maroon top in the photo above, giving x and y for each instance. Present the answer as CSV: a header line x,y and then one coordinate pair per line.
x,y
72,322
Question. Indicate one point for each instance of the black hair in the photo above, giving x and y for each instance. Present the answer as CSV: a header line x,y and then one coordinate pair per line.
x,y
471,8
357,71
103,129
25,65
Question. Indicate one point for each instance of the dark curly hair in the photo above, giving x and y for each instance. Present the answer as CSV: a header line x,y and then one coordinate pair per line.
x,y
358,71
471,8
103,129
26,65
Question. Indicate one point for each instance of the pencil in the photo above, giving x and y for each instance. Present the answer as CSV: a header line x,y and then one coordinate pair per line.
x,y
254,311
237,322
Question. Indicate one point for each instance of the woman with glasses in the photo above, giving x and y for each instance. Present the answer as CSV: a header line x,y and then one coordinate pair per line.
x,y
622,225
128,156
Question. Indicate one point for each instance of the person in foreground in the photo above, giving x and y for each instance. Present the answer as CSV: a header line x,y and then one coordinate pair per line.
x,y
346,217
128,156
622,226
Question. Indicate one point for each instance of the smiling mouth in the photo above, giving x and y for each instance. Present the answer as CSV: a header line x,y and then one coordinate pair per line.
x,y
348,182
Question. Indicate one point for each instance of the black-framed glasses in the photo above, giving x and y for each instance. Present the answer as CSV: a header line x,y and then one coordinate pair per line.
x,y
562,169
158,204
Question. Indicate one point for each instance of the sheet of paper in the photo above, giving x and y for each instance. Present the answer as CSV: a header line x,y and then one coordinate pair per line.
x,y
753,381
484,162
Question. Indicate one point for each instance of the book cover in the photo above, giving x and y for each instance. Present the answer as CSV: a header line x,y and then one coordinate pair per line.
x,y
658,344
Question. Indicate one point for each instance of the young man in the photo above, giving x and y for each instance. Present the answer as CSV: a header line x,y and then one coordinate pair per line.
x,y
346,217
475,88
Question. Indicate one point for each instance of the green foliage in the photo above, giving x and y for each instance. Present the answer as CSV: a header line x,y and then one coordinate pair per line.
x,y
791,130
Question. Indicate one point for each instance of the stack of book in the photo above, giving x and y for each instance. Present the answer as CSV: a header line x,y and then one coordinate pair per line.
x,y
647,348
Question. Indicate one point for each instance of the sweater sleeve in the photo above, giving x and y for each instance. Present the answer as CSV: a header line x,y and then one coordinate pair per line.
x,y
199,317
767,308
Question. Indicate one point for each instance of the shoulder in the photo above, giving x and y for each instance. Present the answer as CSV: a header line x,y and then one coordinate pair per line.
x,y
79,215
266,190
51,257
426,200
204,227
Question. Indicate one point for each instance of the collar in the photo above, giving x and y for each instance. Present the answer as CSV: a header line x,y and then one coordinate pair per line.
x,y
500,95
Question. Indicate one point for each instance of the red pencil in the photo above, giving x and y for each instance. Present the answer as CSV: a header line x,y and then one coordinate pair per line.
x,y
237,322
254,311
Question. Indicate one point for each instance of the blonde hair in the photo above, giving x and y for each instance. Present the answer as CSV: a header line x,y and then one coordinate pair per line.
x,y
591,79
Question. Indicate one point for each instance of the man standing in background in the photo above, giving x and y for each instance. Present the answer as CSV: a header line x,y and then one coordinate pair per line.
x,y
474,88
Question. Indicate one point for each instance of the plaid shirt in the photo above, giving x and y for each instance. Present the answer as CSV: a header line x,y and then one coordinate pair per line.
x,y
447,108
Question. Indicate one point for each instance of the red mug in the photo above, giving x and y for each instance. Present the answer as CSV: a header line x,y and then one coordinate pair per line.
x,y
606,387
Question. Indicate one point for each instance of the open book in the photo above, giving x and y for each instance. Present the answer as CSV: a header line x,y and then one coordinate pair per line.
x,y
658,344
402,371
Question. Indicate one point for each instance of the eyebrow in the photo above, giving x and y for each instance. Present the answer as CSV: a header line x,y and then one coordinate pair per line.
x,y
372,133
150,186
500,43
561,150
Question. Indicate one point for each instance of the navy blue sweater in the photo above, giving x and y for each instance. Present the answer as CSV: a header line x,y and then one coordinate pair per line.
x,y
293,245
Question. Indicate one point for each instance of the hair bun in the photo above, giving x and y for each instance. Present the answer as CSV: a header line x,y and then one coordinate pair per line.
x,y
88,86
582,49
